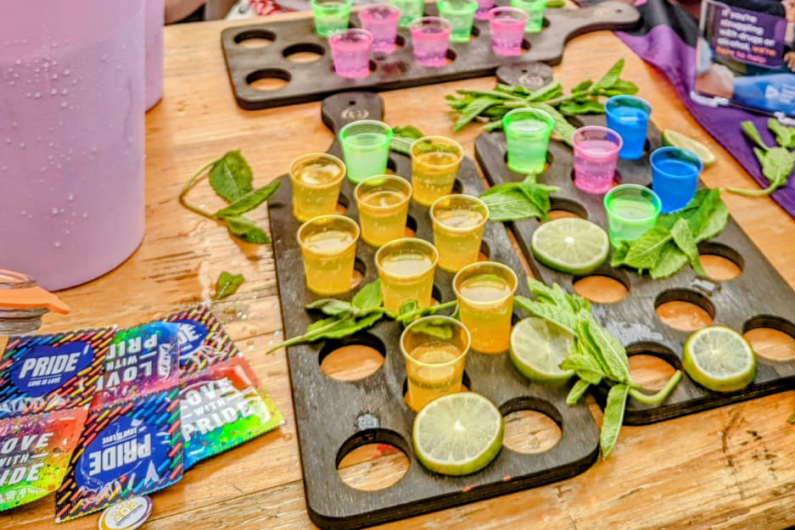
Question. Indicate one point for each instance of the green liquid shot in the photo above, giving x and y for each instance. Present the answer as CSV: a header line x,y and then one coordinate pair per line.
x,y
528,141
366,154
630,214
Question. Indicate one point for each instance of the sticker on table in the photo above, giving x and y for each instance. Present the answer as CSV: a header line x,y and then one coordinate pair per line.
x,y
141,360
44,373
202,340
35,452
127,449
223,408
126,515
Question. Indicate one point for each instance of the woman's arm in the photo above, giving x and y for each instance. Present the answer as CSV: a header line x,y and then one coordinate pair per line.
x,y
176,10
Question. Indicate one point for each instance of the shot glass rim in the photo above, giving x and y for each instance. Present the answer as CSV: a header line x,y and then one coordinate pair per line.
x,y
626,97
508,9
468,3
387,177
534,3
495,264
550,122
395,242
663,150
437,137
352,31
317,4
656,201
477,200
395,12
344,133
446,24
327,217
608,130
318,155
437,317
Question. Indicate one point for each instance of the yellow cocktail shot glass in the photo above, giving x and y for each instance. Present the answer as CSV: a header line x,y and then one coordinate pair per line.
x,y
458,225
383,203
316,179
434,161
328,247
485,293
434,365
406,268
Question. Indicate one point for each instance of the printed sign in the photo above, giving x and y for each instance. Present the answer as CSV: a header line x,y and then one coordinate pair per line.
x,y
202,340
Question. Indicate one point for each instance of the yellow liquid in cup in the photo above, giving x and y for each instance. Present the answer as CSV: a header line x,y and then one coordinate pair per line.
x,y
427,382
316,188
406,276
433,176
382,217
328,261
458,237
485,307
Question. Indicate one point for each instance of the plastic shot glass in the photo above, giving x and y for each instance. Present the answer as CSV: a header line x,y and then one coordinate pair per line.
x,y
595,158
328,248
458,225
461,14
484,6
331,16
409,10
383,202
350,50
674,175
434,365
535,13
485,303
434,162
507,30
527,133
365,146
629,117
631,211
382,21
406,268
431,39
316,181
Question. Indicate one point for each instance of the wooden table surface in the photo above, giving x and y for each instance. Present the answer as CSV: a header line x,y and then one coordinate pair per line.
x,y
730,468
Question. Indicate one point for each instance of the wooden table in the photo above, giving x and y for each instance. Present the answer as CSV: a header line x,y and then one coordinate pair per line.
x,y
731,468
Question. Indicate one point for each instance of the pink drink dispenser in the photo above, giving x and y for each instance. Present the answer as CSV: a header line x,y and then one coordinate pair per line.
x,y
71,137
155,18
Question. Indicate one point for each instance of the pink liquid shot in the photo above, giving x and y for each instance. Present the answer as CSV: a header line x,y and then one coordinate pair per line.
x,y
484,6
595,165
431,39
155,19
351,52
71,138
507,30
382,22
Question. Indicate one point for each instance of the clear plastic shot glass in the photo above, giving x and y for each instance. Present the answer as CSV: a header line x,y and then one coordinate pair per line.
x,y
328,248
631,211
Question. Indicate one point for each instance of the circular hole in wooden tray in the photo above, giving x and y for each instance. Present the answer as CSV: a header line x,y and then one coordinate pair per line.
x,y
721,263
601,288
772,338
352,362
359,270
684,310
566,209
304,53
530,432
649,371
373,460
411,226
255,38
268,79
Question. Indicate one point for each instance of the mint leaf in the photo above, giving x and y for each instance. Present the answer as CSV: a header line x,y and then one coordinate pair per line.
x,y
507,202
249,201
247,230
538,194
607,349
583,364
683,238
575,108
561,126
613,418
645,252
621,87
671,261
715,224
314,326
610,78
785,136
231,176
582,87
546,92
332,307
440,329
369,297
403,137
348,327
409,306
472,111
752,132
227,284
777,166
577,391
562,317
620,254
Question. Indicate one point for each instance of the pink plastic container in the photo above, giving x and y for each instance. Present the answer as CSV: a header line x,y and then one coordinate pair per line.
x,y
350,50
155,19
484,6
382,22
507,30
431,39
71,138
595,158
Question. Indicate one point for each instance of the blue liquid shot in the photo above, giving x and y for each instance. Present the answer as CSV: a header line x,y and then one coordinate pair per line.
x,y
675,182
631,123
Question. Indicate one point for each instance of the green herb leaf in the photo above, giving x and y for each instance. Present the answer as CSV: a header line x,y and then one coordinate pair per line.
x,y
575,108
785,136
645,252
409,315
619,254
440,329
621,87
249,201
472,111
577,392
610,78
777,166
613,418
583,364
715,224
546,92
507,202
409,306
348,327
231,176
322,323
671,261
332,307
561,126
752,132
582,87
227,284
369,297
247,230
606,347
683,238
403,137
538,194
562,317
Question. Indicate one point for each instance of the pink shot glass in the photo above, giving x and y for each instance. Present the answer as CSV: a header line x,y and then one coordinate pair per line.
x,y
431,38
484,6
507,30
595,157
350,50
382,21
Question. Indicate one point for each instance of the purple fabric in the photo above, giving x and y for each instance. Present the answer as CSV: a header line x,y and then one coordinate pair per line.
x,y
664,49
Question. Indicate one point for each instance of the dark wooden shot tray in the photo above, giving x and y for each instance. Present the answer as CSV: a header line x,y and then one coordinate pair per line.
x,y
312,81
334,417
758,298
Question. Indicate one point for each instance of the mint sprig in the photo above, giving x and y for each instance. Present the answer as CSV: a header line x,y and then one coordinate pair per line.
x,y
777,162
515,201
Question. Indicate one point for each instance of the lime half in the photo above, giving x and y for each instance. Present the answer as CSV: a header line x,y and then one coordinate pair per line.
x,y
537,349
573,246
458,434
719,359
678,139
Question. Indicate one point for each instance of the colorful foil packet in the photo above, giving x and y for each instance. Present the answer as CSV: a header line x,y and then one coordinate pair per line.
x,y
128,448
223,408
44,373
35,452
140,361
202,340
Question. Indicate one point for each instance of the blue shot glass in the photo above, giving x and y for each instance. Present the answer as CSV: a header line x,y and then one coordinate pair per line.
x,y
629,117
675,174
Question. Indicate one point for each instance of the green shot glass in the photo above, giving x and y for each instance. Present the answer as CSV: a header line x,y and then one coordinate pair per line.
x,y
409,10
331,16
631,211
365,144
461,14
527,132
535,13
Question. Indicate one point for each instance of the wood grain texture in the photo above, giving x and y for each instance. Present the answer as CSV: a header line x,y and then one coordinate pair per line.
x,y
728,469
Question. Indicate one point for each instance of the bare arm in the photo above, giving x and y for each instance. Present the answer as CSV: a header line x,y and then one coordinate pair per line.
x,y
178,9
